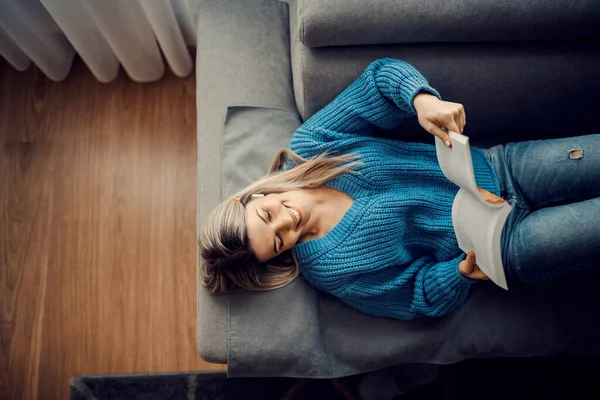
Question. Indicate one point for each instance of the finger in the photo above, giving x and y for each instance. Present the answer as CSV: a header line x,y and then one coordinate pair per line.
x,y
469,264
481,275
439,133
471,257
451,124
472,261
464,119
464,268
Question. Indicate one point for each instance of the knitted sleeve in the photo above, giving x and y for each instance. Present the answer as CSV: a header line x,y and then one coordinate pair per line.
x,y
422,289
380,98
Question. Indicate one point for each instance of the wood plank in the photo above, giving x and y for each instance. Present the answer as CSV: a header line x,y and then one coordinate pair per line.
x,y
23,270
98,229
25,202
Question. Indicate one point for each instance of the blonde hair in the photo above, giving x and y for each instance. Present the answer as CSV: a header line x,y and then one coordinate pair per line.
x,y
227,261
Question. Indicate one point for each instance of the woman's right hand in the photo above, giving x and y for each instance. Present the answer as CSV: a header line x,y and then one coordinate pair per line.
x,y
435,114
469,268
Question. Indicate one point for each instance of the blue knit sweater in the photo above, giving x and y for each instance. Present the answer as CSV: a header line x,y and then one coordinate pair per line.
x,y
394,253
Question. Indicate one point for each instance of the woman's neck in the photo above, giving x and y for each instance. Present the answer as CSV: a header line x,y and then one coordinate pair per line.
x,y
330,207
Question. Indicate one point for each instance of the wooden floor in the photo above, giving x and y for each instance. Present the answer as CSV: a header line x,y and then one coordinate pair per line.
x,y
97,229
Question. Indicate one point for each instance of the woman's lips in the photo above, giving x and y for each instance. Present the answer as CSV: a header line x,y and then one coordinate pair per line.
x,y
296,215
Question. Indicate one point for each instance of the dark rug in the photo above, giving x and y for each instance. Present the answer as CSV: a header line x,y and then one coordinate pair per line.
x,y
198,386
530,378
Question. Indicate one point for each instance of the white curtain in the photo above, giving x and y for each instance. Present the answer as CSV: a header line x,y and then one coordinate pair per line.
x,y
136,34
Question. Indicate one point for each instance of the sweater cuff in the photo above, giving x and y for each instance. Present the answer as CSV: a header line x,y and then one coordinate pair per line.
x,y
415,90
452,280
402,82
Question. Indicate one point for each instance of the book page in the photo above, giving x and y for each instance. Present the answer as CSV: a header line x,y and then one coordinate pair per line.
x,y
478,227
456,162
477,223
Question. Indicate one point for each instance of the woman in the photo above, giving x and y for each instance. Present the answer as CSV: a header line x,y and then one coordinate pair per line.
x,y
369,219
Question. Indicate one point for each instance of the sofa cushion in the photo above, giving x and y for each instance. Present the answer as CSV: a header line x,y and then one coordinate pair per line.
x,y
353,22
251,138
510,91
299,332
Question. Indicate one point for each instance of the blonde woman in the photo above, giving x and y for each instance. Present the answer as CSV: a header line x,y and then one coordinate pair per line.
x,y
368,220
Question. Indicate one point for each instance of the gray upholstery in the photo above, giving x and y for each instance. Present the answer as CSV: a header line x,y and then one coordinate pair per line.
x,y
352,22
510,91
505,87
242,59
251,138
296,331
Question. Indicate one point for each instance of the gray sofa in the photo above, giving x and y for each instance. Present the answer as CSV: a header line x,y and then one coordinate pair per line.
x,y
523,70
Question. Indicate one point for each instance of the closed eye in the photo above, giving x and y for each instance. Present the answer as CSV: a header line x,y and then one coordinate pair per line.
x,y
270,218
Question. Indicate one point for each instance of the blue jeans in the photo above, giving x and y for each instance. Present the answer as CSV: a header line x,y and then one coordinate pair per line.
x,y
554,188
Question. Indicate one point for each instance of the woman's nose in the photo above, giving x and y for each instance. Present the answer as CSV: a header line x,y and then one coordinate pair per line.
x,y
284,220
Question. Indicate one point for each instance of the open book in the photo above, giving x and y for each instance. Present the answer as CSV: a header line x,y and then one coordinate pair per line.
x,y
477,223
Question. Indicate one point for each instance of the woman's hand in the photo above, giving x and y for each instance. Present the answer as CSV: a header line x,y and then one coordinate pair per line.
x,y
489,197
469,268
435,114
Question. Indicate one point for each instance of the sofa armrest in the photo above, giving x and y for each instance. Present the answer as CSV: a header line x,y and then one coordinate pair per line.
x,y
357,22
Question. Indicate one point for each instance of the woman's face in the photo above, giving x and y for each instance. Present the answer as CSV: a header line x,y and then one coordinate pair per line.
x,y
276,222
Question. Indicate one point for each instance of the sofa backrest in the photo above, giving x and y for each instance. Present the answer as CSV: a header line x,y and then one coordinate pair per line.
x,y
358,22
512,90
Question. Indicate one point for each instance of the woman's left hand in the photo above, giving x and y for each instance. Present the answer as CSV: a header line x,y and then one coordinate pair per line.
x,y
435,114
469,268
489,197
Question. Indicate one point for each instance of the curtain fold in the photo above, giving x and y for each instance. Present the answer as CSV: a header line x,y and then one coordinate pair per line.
x,y
30,26
164,24
135,34
89,42
11,52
